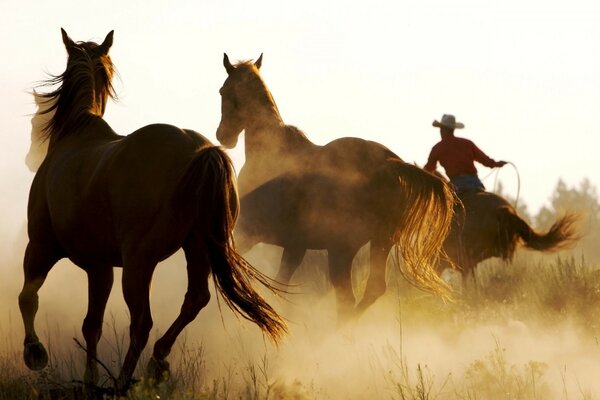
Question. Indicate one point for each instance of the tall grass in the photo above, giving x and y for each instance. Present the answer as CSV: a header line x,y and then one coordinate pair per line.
x,y
534,292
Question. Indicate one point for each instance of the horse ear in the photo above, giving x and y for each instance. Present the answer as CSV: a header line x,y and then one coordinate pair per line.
x,y
228,67
258,62
108,41
69,44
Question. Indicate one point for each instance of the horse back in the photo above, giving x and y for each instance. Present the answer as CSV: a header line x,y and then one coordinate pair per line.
x,y
347,157
348,186
355,153
109,194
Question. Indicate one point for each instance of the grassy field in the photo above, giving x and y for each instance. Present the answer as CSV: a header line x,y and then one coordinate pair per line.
x,y
522,331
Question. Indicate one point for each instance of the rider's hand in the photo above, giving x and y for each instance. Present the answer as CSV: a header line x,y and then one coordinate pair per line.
x,y
500,163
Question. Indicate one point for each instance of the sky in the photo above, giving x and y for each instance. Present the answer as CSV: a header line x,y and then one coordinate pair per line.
x,y
523,76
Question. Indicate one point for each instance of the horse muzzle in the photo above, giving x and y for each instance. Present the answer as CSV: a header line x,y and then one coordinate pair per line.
x,y
226,137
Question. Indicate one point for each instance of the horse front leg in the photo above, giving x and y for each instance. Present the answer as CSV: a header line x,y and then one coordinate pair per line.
x,y
136,292
196,298
100,282
340,273
468,268
39,259
243,242
290,261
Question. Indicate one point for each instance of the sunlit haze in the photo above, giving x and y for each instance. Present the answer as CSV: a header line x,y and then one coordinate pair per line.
x,y
523,76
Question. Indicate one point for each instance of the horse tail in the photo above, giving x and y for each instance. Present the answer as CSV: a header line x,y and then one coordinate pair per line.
x,y
560,235
424,217
212,177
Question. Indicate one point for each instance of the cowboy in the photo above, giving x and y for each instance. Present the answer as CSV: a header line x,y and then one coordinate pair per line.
x,y
457,155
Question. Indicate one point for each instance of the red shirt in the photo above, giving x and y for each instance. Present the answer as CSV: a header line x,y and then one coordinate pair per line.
x,y
457,156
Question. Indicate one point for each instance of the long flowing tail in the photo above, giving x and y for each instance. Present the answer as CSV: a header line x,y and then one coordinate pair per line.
x,y
560,235
424,217
212,174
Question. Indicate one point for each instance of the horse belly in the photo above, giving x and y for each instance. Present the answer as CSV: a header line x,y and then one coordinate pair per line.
x,y
313,211
88,237
329,229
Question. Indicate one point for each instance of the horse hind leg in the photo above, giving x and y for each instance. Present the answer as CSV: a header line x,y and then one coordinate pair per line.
x,y
196,298
100,281
290,261
469,277
39,259
376,281
137,276
340,273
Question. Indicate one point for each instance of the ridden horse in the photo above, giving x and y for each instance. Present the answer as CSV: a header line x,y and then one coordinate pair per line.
x,y
486,225
337,197
105,200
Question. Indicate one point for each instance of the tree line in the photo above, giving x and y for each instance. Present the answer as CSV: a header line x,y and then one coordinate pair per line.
x,y
581,199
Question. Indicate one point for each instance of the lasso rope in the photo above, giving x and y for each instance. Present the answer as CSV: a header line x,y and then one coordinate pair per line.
x,y
496,172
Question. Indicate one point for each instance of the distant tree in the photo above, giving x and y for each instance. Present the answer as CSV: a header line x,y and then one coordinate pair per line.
x,y
583,201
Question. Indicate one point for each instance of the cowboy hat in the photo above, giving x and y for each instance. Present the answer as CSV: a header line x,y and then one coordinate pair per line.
x,y
448,121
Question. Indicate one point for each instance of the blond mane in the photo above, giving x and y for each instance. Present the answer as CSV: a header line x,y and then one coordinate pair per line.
x,y
39,142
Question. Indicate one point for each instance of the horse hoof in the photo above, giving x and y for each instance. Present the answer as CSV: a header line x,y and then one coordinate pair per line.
x,y
158,370
35,356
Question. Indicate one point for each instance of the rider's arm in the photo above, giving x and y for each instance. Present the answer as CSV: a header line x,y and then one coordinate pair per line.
x,y
431,161
483,158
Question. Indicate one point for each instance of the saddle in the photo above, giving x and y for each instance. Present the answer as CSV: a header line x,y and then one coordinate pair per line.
x,y
464,193
466,198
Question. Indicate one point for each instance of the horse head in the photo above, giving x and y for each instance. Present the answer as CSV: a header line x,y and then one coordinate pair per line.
x,y
95,55
240,93
83,88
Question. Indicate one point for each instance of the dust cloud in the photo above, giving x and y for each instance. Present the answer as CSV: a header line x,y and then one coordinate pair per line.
x,y
406,339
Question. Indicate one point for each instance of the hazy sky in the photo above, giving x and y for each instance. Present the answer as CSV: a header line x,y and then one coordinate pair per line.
x,y
524,76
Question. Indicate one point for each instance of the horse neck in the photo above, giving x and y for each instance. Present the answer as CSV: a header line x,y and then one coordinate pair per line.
x,y
269,136
79,101
95,132
262,115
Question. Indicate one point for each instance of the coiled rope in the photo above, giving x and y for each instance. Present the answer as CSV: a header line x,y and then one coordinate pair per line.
x,y
496,172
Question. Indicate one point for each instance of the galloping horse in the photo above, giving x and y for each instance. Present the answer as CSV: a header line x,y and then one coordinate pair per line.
x,y
486,226
105,200
337,197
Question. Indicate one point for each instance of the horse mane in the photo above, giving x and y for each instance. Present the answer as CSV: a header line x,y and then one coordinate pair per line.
x,y
82,93
39,143
244,63
296,135
257,85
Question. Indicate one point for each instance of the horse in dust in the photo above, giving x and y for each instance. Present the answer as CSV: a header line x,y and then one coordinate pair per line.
x,y
486,225
337,197
105,200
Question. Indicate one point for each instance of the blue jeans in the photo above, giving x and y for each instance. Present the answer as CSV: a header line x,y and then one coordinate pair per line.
x,y
466,182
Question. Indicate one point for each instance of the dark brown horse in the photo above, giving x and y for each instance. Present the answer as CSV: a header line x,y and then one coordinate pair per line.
x,y
486,226
337,197
105,200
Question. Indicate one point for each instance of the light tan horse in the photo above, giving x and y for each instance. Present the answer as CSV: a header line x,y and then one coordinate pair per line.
x,y
337,197
105,200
